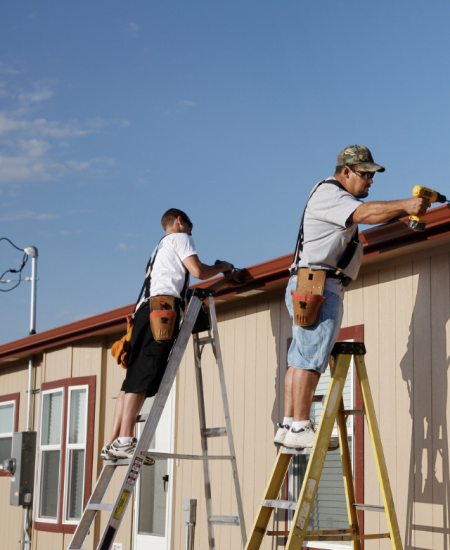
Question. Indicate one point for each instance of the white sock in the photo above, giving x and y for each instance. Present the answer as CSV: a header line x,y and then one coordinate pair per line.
x,y
123,440
300,424
287,421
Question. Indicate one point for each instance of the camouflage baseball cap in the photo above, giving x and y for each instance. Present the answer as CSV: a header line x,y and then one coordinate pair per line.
x,y
360,155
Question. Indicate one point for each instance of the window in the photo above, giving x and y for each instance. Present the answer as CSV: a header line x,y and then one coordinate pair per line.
x,y
65,446
9,417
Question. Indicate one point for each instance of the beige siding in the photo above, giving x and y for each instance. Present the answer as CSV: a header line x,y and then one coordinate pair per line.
x,y
404,304
406,310
254,340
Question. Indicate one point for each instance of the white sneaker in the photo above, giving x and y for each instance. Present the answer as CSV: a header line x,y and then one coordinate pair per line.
x,y
104,455
299,439
281,434
126,450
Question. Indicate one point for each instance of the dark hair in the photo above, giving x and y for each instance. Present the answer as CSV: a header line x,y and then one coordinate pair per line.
x,y
169,217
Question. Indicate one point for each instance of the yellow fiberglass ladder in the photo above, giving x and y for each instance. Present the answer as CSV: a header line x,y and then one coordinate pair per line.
x,y
333,411
190,325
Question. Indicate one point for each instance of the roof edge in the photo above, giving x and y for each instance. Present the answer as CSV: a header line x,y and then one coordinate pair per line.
x,y
376,241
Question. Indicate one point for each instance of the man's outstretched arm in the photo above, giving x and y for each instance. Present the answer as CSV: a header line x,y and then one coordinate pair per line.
x,y
376,212
202,271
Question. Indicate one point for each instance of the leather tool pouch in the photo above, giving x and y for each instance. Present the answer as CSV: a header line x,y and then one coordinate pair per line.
x,y
308,297
163,317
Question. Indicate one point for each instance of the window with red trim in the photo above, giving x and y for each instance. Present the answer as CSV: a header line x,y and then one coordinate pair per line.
x,y
64,453
9,423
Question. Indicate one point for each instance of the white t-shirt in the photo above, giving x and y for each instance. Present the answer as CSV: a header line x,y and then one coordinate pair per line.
x,y
168,273
327,233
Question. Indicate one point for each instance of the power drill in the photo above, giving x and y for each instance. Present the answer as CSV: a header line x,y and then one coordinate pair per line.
x,y
419,224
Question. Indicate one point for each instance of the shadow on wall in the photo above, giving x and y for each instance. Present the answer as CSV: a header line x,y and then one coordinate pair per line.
x,y
424,369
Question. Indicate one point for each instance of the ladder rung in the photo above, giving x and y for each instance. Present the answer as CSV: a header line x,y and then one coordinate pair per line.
x,y
155,454
292,451
318,398
283,504
205,340
353,412
214,432
224,520
118,462
369,507
100,507
142,418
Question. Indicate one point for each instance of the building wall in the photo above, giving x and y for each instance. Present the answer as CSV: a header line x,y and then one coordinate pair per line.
x,y
404,304
403,300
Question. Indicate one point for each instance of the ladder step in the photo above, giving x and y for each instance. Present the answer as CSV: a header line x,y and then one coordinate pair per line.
x,y
118,462
283,504
224,520
142,418
369,507
156,454
214,432
353,412
100,507
205,340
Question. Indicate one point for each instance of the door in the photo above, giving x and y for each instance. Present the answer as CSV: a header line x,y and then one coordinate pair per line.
x,y
153,495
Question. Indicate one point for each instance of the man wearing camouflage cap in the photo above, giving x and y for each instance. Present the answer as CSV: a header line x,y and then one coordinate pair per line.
x,y
328,229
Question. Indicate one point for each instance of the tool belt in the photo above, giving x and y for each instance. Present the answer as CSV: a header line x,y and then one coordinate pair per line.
x,y
163,317
344,279
308,296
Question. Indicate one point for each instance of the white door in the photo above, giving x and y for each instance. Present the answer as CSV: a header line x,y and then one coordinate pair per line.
x,y
153,495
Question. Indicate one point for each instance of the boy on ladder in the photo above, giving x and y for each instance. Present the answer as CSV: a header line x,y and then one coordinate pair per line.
x,y
166,284
327,258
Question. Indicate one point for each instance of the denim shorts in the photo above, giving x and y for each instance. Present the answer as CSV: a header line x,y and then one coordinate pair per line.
x,y
311,346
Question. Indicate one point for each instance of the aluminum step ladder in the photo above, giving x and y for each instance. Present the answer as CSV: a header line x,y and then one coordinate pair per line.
x,y
333,411
131,475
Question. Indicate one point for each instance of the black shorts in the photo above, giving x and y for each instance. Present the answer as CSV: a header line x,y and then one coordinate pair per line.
x,y
147,359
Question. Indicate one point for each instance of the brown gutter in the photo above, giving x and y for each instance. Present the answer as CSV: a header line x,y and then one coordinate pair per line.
x,y
376,240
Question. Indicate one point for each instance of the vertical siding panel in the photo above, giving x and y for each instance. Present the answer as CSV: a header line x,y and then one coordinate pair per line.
x,y
250,374
58,364
438,471
262,411
387,368
422,398
230,538
354,304
241,426
404,374
372,341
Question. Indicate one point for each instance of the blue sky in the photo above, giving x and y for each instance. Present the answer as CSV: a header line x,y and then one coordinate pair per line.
x,y
112,112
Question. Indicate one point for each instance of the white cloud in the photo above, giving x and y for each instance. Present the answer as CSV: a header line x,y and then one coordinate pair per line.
x,y
132,29
180,106
27,215
34,148
124,247
42,90
78,166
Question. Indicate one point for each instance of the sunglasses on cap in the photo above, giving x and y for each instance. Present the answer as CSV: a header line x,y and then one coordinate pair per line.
x,y
362,173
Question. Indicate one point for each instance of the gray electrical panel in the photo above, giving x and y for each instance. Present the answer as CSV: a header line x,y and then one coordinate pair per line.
x,y
21,468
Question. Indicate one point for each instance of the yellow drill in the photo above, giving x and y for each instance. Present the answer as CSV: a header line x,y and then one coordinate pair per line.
x,y
419,224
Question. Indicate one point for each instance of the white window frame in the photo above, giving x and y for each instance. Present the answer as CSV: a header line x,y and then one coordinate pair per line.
x,y
74,446
43,448
4,435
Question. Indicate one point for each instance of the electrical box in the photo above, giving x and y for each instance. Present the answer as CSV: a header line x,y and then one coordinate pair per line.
x,y
189,510
21,468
